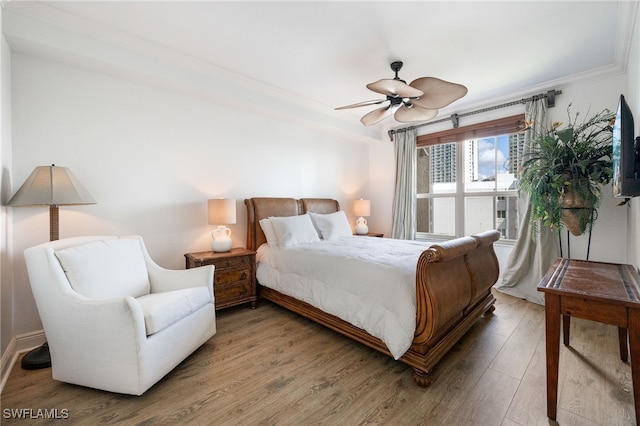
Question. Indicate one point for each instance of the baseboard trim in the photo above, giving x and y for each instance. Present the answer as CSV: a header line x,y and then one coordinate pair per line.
x,y
18,345
6,362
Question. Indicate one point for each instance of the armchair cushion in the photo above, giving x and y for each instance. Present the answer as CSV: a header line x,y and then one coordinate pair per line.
x,y
106,268
163,309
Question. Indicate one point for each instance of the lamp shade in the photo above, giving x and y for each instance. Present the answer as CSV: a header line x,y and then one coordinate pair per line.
x,y
51,186
222,211
362,207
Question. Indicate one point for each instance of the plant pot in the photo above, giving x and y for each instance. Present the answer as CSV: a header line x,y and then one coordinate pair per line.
x,y
577,211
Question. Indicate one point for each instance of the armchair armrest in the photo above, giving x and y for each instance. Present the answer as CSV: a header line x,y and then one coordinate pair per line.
x,y
168,279
100,325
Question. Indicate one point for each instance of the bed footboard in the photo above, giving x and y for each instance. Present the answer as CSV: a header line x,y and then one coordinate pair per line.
x,y
453,290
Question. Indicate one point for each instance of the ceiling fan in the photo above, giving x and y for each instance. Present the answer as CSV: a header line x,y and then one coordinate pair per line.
x,y
417,101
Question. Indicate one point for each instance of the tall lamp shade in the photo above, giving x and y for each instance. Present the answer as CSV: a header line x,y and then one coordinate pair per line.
x,y
221,212
51,186
362,208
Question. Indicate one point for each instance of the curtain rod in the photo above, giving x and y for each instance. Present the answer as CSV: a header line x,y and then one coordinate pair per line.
x,y
455,118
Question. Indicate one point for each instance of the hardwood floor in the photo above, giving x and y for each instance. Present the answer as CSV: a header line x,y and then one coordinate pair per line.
x,y
269,366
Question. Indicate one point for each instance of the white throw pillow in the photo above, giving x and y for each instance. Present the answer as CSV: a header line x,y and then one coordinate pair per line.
x,y
269,232
293,230
106,268
332,225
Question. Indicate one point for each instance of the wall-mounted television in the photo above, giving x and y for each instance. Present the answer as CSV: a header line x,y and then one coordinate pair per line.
x,y
626,154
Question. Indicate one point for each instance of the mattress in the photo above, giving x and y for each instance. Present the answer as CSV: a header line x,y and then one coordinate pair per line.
x,y
368,282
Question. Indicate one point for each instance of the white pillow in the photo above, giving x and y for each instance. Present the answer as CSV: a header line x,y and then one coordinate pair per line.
x,y
332,225
269,232
293,230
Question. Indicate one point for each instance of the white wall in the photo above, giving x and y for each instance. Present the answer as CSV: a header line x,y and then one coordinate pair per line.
x,y
152,157
6,287
381,185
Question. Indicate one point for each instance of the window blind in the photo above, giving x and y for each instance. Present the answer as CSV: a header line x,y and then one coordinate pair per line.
x,y
501,126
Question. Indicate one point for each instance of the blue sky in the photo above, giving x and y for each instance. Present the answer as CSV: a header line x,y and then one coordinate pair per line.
x,y
489,159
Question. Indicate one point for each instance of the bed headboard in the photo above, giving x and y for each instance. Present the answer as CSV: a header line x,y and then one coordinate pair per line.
x,y
259,208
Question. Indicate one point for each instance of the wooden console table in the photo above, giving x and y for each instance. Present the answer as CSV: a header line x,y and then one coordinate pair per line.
x,y
603,292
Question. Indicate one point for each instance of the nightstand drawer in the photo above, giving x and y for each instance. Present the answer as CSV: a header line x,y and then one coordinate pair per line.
x,y
230,293
221,277
234,262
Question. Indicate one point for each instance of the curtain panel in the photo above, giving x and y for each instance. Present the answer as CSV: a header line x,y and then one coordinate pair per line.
x,y
533,253
404,223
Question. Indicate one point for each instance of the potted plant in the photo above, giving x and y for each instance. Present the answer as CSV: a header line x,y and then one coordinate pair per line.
x,y
564,169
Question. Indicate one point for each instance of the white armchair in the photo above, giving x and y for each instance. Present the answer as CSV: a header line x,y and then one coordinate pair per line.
x,y
114,319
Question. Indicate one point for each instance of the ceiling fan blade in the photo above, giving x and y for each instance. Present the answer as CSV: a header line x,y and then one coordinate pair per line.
x,y
437,93
376,115
361,104
394,88
406,114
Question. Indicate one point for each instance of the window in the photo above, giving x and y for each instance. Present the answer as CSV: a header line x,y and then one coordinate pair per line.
x,y
467,180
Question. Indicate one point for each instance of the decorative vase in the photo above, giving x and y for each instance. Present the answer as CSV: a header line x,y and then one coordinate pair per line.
x,y
361,226
577,212
221,239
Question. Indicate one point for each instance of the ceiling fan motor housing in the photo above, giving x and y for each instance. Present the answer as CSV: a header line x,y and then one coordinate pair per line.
x,y
395,67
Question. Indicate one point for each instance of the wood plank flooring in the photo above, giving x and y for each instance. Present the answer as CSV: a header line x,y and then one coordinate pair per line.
x,y
270,367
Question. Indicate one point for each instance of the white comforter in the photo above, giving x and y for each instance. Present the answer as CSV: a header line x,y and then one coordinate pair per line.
x,y
368,282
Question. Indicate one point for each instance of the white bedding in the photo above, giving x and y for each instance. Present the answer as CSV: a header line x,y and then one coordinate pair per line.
x,y
368,282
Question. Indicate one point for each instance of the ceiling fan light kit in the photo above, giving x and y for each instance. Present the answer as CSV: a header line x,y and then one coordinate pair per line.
x,y
418,101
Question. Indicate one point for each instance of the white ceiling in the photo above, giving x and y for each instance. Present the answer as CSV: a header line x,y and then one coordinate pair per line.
x,y
326,52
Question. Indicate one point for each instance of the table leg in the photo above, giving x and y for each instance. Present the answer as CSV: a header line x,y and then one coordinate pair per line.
x,y
624,349
552,330
634,343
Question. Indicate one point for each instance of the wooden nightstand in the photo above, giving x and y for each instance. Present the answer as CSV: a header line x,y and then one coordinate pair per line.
x,y
234,279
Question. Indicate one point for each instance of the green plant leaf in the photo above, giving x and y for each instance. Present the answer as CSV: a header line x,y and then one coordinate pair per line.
x,y
565,135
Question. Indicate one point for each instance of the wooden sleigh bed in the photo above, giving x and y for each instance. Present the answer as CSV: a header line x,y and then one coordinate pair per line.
x,y
453,286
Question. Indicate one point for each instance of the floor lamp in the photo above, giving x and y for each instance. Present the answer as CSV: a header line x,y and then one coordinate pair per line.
x,y
51,186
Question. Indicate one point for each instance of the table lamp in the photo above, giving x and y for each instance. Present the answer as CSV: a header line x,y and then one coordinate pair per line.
x,y
51,186
362,208
222,212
